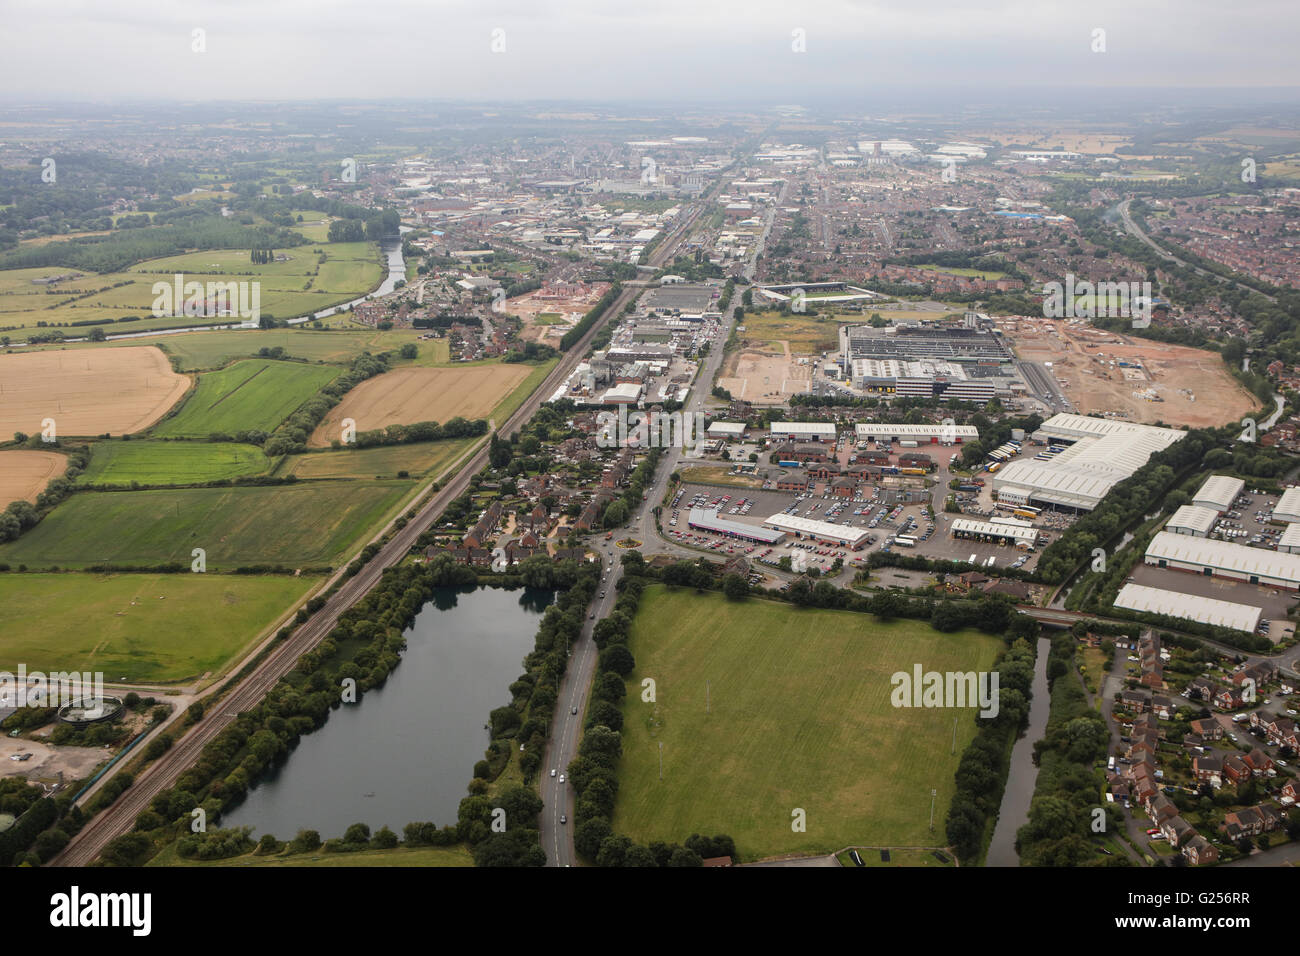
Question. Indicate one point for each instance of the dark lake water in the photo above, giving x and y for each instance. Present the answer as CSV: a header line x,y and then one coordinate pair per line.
x,y
407,750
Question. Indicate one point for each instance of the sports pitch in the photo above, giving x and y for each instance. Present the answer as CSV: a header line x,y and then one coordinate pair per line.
x,y
798,717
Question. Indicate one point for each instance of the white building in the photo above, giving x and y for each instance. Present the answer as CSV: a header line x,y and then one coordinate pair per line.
x,y
731,431
1190,607
1223,559
1288,506
802,431
999,532
826,531
1289,543
1193,520
1219,492
932,433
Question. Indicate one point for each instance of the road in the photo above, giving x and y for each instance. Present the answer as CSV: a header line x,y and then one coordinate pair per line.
x,y
120,817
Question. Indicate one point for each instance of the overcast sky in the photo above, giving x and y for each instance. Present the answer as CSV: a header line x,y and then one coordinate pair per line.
x,y
644,49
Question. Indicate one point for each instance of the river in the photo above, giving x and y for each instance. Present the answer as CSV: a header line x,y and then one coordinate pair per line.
x,y
407,750
1014,812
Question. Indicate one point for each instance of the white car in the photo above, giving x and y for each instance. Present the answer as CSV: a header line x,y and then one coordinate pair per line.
x,y
552,771
561,778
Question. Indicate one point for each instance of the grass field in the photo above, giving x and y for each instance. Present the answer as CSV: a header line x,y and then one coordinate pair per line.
x,y
905,856
400,856
413,394
25,473
805,333
253,394
305,524
536,373
117,623
799,717
114,390
288,289
417,460
171,462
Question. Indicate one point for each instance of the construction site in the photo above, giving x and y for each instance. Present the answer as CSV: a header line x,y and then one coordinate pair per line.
x,y
1138,380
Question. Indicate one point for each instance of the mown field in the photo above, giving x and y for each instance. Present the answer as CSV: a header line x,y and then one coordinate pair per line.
x,y
799,717
417,460
24,473
138,627
312,523
171,462
252,394
288,289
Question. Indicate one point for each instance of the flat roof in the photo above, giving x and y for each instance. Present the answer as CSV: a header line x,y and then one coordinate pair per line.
x,y
727,428
1220,491
1191,607
996,529
1225,556
709,520
806,428
1194,518
938,430
1290,537
819,529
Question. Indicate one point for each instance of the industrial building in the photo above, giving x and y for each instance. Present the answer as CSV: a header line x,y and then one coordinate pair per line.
x,y
1190,607
922,378
965,343
1289,543
1101,454
932,433
1193,520
999,532
1288,506
705,519
1219,492
824,531
1237,562
732,431
802,431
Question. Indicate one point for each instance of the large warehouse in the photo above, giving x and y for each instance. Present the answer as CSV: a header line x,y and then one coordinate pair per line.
x,y
999,532
1191,607
1218,493
1223,559
1104,452
1288,507
932,433
1193,520
705,519
802,431
823,531
921,378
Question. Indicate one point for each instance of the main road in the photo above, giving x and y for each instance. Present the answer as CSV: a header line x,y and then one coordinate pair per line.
x,y
281,659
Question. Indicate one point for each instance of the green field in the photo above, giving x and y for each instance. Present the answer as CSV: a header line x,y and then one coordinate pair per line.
x,y
171,462
399,856
417,460
253,394
799,717
311,523
506,407
138,627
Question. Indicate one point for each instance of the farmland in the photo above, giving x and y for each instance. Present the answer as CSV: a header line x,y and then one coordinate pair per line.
x,y
311,523
253,394
418,460
799,717
138,627
415,394
171,463
87,393
24,474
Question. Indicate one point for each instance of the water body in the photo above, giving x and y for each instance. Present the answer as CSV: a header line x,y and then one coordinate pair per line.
x,y
1014,812
407,750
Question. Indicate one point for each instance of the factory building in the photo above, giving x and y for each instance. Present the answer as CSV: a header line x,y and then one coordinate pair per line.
x,y
1193,520
1288,506
932,433
1190,607
998,532
925,378
705,519
802,431
1218,493
823,531
1223,559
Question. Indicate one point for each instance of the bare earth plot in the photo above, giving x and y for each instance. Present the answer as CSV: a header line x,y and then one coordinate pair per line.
x,y
87,392
405,396
24,474
763,377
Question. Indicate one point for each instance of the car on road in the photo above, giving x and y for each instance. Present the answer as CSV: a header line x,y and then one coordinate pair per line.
x,y
574,710
552,771
564,818
561,778
1152,831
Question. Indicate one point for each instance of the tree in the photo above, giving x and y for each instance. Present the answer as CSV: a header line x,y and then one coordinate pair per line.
x,y
735,587
617,658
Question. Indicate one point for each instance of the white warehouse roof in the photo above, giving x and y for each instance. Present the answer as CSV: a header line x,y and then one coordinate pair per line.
x,y
1288,506
819,529
803,428
1193,518
1218,492
727,428
709,520
994,529
1235,559
1191,607
936,430
1290,540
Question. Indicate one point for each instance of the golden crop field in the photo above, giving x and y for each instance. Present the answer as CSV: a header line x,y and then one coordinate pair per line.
x,y
24,473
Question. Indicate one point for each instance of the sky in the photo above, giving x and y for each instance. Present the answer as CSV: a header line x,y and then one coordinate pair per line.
x,y
664,50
